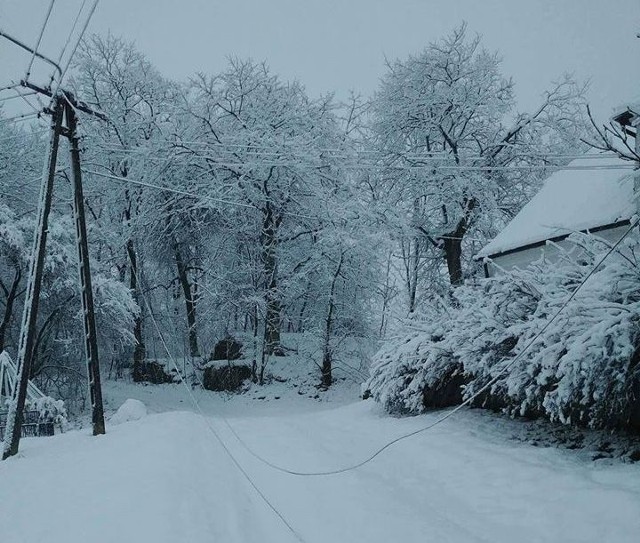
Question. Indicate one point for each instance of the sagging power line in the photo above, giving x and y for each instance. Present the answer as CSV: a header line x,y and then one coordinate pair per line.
x,y
308,473
448,414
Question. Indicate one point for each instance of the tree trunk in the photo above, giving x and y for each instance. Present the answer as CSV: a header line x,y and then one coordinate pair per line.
x,y
40,344
139,349
327,377
190,303
411,254
303,307
453,255
452,245
254,361
12,294
386,298
273,320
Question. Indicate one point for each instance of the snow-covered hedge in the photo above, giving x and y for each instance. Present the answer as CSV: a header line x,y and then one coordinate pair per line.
x,y
582,369
49,409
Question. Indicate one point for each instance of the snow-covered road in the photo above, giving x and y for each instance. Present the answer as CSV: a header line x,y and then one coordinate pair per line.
x,y
165,478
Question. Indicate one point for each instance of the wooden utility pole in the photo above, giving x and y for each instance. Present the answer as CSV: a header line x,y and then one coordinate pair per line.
x,y
32,297
63,108
91,340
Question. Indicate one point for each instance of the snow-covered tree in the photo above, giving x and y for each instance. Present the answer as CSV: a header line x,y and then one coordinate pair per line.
x,y
261,142
457,157
118,80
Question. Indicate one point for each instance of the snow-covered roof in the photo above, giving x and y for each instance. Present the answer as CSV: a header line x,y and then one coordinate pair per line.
x,y
571,200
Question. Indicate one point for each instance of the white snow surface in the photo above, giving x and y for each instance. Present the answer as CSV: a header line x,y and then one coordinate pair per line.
x,y
166,478
129,411
570,201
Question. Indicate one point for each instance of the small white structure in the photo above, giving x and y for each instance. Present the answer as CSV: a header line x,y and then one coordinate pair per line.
x,y
42,414
594,194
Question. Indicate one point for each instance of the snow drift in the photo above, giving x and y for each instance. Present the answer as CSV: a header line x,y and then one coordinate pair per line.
x,y
129,411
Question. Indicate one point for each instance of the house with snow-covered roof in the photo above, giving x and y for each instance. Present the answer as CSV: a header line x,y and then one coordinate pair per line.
x,y
592,194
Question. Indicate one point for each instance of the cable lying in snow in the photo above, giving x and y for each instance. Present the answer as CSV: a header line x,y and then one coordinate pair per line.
x,y
379,451
213,430
449,414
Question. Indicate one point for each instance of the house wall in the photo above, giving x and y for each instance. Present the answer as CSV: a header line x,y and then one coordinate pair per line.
x,y
522,259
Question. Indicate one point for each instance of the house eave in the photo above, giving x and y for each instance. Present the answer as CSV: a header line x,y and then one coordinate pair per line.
x,y
625,117
556,239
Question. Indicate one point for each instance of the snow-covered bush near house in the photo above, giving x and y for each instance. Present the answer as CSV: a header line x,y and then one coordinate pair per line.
x,y
404,367
582,369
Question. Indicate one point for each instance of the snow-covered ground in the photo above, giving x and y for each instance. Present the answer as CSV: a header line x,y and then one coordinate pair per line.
x,y
165,477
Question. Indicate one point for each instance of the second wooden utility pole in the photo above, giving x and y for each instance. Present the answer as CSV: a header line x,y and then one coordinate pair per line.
x,y
91,340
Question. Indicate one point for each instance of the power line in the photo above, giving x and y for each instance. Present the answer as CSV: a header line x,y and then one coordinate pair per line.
x,y
285,148
323,154
438,421
449,414
20,44
229,142
69,36
169,189
21,117
75,48
285,159
35,49
23,96
200,197
8,87
288,149
19,95
186,193
355,165
433,155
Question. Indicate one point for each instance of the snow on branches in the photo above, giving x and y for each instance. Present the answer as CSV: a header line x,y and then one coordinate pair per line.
x,y
582,369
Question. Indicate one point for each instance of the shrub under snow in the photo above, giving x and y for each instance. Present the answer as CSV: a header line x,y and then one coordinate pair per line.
x,y
582,369
130,410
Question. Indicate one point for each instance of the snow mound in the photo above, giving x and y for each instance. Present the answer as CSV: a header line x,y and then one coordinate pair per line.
x,y
130,410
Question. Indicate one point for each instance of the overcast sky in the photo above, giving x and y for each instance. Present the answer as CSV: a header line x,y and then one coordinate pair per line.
x,y
337,46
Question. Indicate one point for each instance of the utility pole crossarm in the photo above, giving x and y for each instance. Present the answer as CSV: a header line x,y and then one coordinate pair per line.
x,y
80,106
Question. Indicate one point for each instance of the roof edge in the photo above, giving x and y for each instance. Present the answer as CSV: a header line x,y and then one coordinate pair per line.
x,y
556,239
